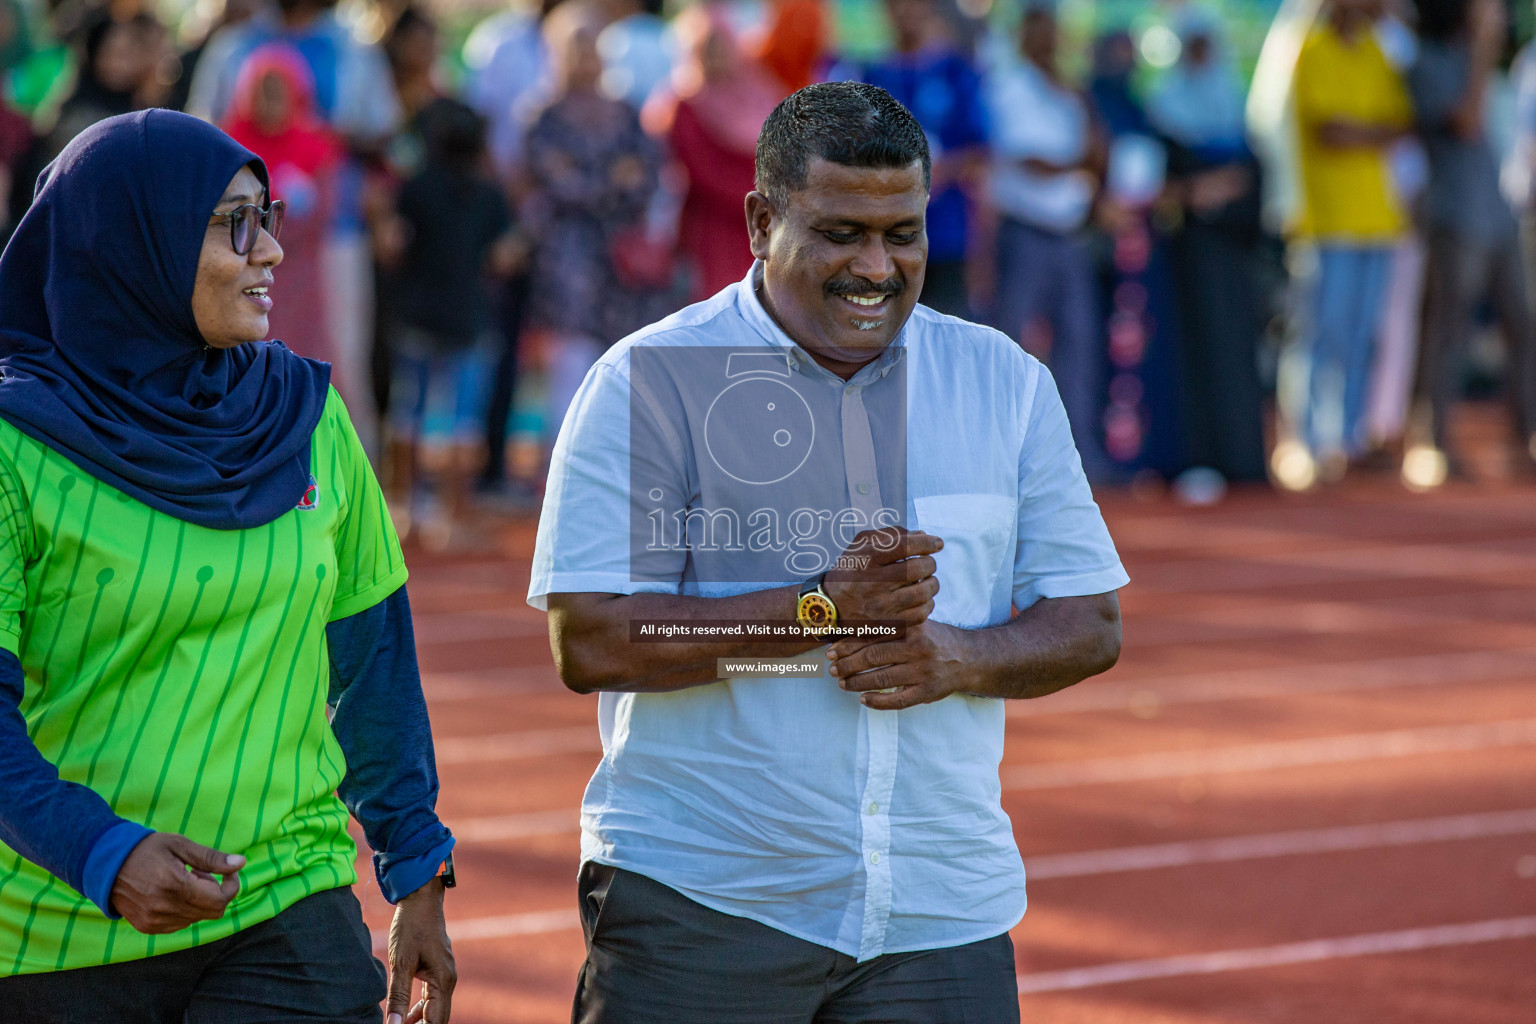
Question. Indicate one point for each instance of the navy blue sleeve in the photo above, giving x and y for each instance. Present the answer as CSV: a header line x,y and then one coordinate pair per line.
x,y
381,723
63,827
106,859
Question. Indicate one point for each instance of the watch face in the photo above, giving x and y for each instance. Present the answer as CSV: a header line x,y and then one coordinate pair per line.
x,y
817,613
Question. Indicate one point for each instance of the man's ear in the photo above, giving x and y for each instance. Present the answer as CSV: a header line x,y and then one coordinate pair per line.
x,y
760,222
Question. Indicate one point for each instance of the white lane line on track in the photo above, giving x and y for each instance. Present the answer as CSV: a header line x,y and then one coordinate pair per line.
x,y
483,684
1241,572
541,922
1258,757
1066,865
1406,940
1282,681
535,922
1254,757
1299,842
1114,695
1411,832
506,746
516,826
467,627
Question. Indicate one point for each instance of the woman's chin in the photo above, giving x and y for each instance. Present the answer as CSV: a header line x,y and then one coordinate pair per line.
x,y
236,341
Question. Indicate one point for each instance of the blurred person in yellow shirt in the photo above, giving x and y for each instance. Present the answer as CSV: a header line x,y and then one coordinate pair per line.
x,y
1352,105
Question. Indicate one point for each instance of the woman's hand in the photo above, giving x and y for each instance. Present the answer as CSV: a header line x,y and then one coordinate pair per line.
x,y
419,948
168,883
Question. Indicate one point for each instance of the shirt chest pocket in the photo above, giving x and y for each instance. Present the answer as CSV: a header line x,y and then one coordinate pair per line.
x,y
977,530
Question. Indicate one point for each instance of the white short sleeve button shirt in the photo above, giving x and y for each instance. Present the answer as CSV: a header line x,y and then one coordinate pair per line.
x,y
787,801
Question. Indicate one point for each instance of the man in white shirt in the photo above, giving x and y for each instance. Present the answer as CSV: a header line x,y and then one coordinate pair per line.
x,y
810,449
1048,157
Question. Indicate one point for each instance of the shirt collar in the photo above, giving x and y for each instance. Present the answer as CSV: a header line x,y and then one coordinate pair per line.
x,y
750,305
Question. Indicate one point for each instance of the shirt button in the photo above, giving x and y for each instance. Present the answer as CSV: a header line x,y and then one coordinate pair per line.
x,y
874,858
873,807
863,488
850,389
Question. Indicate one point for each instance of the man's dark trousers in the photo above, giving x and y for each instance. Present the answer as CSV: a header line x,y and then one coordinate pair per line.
x,y
656,957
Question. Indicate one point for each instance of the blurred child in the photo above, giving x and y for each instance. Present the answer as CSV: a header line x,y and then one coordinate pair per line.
x,y
453,227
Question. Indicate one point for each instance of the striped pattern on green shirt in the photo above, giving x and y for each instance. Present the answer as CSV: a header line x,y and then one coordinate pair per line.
x,y
181,672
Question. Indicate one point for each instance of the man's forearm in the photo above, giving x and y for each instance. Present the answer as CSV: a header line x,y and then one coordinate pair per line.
x,y
1047,647
1466,118
1347,134
590,637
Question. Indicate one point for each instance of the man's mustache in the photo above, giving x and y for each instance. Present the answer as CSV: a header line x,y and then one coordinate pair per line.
x,y
859,286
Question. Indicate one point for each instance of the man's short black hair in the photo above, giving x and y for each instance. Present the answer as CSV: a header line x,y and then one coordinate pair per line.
x,y
848,123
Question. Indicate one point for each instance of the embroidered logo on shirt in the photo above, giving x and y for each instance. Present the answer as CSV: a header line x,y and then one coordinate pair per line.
x,y
311,495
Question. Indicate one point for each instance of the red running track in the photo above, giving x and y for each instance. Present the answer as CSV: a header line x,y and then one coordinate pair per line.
x,y
1304,795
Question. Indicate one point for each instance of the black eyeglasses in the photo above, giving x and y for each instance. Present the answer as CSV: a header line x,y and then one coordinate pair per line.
x,y
246,222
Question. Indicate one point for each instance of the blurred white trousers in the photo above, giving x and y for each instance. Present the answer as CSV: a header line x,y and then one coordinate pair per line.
x,y
1397,345
348,269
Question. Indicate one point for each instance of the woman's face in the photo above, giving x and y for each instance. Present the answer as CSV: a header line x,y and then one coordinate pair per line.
x,y
719,56
271,106
120,64
230,300
416,52
579,64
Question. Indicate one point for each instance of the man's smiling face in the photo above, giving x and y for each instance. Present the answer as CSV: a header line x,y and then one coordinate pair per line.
x,y
843,262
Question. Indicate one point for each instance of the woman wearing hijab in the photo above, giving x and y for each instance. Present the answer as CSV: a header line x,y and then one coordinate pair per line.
x,y
1198,106
592,173
112,66
273,115
195,567
1143,425
793,45
113,62
710,118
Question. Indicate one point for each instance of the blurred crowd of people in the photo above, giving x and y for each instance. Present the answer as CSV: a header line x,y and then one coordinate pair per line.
x,y
1414,154
577,171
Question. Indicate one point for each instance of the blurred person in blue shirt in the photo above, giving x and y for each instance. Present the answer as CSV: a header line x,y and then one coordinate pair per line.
x,y
933,77
638,49
507,75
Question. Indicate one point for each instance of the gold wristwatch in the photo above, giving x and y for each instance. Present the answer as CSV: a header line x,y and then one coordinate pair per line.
x,y
816,612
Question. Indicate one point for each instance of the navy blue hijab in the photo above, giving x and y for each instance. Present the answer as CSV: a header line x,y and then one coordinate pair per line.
x,y
101,355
